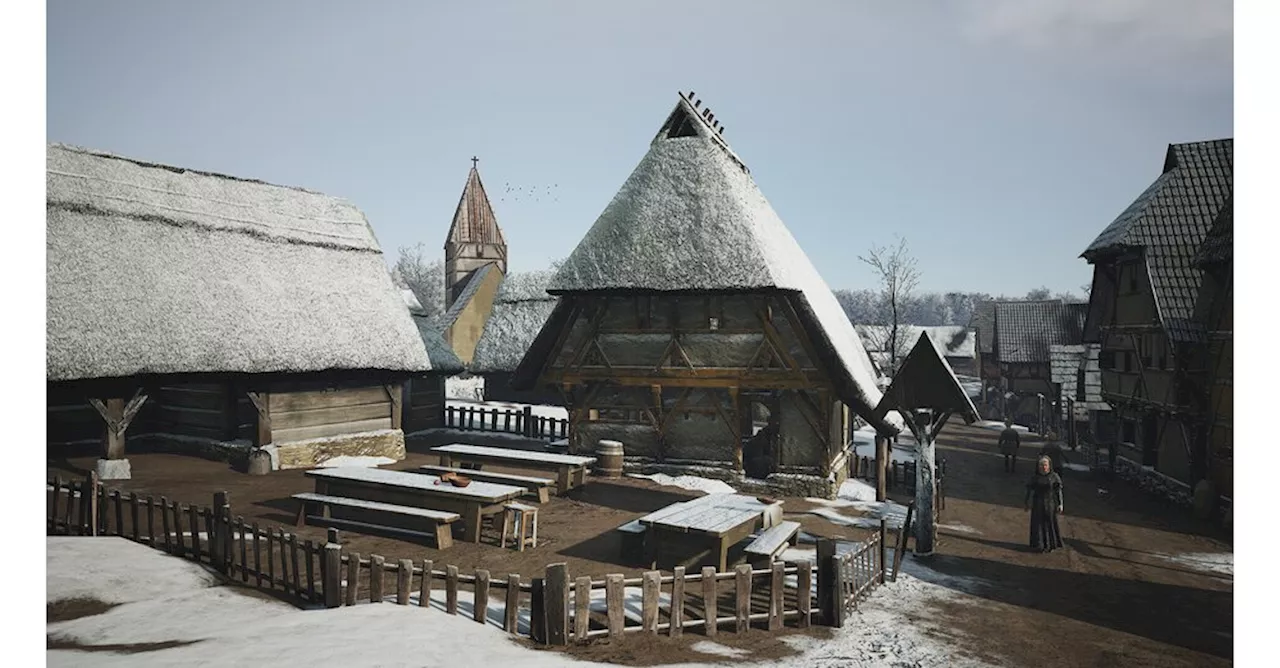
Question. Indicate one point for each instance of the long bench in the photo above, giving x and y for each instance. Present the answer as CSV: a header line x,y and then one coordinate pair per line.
x,y
539,487
771,542
440,520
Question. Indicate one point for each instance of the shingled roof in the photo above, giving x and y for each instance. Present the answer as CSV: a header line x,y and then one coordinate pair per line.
x,y
1218,245
474,221
153,269
1169,221
690,218
1025,330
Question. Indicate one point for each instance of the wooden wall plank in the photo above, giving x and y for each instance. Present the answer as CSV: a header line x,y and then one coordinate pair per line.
x,y
305,433
285,402
281,420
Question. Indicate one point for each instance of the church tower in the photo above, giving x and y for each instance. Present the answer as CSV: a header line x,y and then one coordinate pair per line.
x,y
474,240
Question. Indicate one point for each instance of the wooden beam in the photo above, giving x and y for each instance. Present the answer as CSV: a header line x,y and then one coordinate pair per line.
x,y
261,401
117,415
396,394
735,404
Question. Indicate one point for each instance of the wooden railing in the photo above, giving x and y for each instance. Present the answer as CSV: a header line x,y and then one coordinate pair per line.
x,y
898,474
509,421
554,609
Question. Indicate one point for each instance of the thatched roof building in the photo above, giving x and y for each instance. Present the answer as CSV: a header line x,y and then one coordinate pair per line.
x,y
689,297
162,277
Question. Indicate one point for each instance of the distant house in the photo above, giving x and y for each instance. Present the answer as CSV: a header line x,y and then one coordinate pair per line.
x,y
687,310
1214,312
202,307
1025,331
1075,370
520,309
1143,312
956,344
983,324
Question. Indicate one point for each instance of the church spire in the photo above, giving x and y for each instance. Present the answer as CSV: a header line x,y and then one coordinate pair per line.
x,y
475,239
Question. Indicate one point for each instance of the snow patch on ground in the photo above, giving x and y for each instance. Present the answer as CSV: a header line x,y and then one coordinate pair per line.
x,y
166,598
962,528
349,460
1214,563
1076,467
689,482
856,490
999,426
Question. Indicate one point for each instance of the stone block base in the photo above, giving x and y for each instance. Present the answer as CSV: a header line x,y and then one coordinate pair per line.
x,y
307,454
114,469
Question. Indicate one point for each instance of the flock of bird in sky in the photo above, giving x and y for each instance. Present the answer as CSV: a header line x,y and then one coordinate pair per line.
x,y
535,193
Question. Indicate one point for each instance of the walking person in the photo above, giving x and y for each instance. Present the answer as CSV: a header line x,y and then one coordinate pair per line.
x,y
1009,442
1044,501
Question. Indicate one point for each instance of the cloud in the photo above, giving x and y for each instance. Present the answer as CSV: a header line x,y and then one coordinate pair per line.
x,y
1139,32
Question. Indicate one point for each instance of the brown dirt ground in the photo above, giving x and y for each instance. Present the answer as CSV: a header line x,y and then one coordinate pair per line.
x,y
1106,599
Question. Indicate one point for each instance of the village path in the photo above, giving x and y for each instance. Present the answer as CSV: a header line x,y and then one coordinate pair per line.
x,y
1140,583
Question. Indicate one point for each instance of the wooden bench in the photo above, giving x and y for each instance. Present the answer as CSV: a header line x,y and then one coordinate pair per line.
x,y
539,487
441,520
771,542
632,541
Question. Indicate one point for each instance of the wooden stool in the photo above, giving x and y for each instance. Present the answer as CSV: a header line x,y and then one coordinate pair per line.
x,y
525,523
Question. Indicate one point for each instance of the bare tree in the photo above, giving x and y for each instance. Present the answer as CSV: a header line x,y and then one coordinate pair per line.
x,y
424,277
898,279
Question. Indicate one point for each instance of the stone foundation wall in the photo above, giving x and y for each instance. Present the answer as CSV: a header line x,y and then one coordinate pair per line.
x,y
1153,482
307,454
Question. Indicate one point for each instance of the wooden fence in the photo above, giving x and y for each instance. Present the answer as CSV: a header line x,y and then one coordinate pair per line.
x,y
554,609
509,421
898,475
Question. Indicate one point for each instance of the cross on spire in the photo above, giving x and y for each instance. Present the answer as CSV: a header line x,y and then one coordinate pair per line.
x,y
474,160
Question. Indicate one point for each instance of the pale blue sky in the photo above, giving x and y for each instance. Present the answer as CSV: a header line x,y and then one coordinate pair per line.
x,y
997,136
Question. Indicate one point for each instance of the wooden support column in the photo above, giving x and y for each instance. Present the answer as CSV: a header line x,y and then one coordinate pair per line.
x,y
118,415
262,435
396,394
882,466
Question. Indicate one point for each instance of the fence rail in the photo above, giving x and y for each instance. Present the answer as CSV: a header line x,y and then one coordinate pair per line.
x,y
509,421
898,475
553,609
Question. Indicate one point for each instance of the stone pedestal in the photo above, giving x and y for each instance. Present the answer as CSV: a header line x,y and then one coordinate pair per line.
x,y
259,462
114,469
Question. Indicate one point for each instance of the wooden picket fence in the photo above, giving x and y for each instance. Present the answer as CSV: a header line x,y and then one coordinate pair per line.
x,y
509,421
899,475
558,609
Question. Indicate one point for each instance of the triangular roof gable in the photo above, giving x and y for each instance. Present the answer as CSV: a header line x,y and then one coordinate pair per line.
x,y
690,218
474,220
927,381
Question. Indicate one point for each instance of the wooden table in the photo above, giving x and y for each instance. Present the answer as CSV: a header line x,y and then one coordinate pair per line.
x,y
473,502
571,470
713,523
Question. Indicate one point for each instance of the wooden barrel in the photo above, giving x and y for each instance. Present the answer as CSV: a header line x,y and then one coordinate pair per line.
x,y
609,459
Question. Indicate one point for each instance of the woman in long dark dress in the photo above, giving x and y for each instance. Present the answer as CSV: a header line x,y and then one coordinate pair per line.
x,y
1044,500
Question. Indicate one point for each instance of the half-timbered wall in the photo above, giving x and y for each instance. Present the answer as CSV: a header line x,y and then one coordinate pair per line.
x,y
663,374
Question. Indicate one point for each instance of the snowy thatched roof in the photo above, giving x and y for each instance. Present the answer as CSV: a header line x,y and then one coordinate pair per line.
x,y
443,359
690,218
154,269
520,309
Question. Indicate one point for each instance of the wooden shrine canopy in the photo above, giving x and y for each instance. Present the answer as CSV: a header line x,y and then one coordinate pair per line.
x,y
926,382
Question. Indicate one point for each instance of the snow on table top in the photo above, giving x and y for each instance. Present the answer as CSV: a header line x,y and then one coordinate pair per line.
x,y
421,482
514,455
688,482
715,514
349,460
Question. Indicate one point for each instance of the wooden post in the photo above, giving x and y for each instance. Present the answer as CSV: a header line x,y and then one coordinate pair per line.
x,y
613,600
396,394
275,536
742,580
884,548
424,589
804,591
903,533
538,611
404,577
557,604
925,474
835,590
332,575
376,569
90,496
511,615
262,432
710,603
451,589
293,564
164,524
481,595
677,603
194,521
119,512
527,422
828,592
353,576
882,465
57,492
775,595
257,554
217,541
113,436
151,521
581,608
650,591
